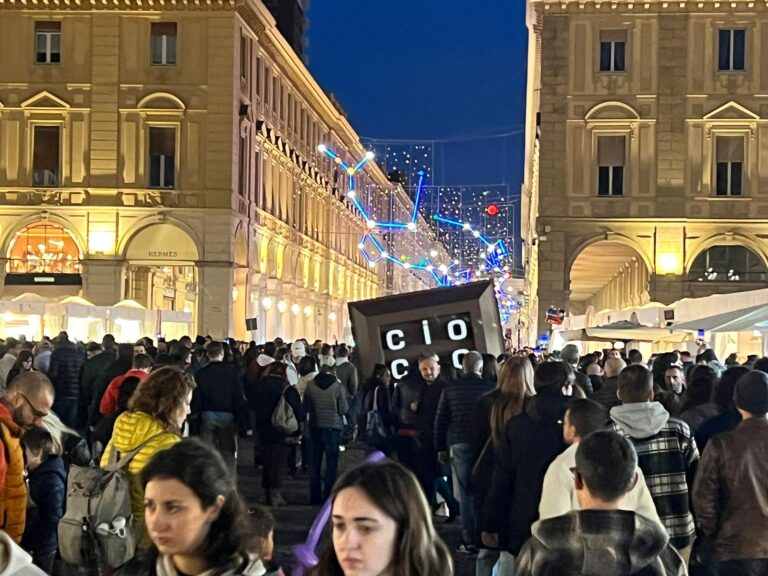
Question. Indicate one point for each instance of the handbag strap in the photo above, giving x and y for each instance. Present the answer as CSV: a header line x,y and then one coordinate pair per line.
x,y
115,465
476,465
376,398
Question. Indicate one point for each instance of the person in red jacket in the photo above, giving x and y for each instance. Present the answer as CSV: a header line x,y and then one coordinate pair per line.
x,y
142,364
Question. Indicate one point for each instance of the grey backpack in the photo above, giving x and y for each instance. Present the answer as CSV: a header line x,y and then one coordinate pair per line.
x,y
97,527
284,418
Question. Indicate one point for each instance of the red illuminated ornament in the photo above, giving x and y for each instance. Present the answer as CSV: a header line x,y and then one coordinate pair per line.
x,y
492,210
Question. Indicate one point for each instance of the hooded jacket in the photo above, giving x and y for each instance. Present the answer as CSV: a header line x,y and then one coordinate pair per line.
x,y
263,400
14,561
667,455
531,441
108,402
326,402
255,370
599,543
131,429
47,490
559,494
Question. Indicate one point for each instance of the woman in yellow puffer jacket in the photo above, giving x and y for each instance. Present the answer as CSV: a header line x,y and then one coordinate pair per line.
x,y
156,412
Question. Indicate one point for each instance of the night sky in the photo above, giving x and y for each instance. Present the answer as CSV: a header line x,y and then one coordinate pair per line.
x,y
430,69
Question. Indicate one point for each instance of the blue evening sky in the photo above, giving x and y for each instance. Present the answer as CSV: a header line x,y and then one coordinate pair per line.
x,y
429,69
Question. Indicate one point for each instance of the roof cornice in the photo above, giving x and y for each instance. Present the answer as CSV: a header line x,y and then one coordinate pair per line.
x,y
123,5
654,6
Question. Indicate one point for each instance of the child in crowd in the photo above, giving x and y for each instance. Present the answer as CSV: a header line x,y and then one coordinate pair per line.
x,y
47,492
264,531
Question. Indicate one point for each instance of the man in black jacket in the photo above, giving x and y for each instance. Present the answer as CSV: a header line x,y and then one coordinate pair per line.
x,y
414,405
530,443
452,432
601,538
64,372
218,402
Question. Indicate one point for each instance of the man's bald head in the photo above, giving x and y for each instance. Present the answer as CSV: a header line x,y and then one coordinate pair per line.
x,y
29,399
613,367
31,384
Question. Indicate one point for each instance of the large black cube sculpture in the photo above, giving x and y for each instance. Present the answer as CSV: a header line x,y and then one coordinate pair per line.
x,y
394,330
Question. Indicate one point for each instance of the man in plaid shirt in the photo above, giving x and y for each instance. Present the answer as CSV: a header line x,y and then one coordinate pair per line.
x,y
666,452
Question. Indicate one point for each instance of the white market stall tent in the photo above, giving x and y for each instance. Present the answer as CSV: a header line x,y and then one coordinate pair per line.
x,y
82,319
26,315
129,321
173,324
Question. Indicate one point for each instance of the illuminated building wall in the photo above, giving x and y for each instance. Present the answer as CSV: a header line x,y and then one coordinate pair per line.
x,y
168,154
646,139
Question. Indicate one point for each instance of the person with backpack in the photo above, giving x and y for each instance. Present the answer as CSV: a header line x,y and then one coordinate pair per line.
x,y
270,397
27,400
103,431
197,522
47,478
155,417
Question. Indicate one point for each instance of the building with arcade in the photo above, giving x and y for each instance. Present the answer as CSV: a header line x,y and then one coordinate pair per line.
x,y
166,153
646,154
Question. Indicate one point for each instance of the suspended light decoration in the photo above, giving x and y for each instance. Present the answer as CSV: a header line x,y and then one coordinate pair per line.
x,y
493,254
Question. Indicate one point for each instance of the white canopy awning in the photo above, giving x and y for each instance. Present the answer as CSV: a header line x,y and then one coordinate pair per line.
x,y
744,320
626,332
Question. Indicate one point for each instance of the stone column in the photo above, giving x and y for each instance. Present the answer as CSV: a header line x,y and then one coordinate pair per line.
x,y
102,281
215,297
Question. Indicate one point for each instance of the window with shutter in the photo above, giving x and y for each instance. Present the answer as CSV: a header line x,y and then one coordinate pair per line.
x,y
163,42
610,165
162,157
47,42
729,157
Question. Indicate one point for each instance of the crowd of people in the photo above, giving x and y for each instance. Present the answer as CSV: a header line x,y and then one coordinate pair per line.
x,y
560,464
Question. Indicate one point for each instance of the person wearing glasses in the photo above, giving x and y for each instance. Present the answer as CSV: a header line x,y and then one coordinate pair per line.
x,y
602,537
27,400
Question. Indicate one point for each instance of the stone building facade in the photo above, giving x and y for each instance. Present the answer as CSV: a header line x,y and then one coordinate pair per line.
x,y
647,152
166,152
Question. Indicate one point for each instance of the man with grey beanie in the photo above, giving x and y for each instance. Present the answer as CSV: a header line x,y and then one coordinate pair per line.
x,y
730,496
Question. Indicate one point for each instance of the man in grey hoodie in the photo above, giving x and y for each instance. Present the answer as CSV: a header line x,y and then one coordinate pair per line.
x,y
666,452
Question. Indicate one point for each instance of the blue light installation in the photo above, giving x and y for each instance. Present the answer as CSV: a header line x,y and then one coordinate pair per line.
x,y
444,275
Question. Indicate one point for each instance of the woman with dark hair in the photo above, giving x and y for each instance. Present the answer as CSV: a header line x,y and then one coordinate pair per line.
x,y
156,413
728,417
274,445
23,364
697,405
376,394
195,518
381,525
494,409
489,368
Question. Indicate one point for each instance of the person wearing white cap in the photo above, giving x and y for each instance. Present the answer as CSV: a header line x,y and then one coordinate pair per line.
x,y
292,359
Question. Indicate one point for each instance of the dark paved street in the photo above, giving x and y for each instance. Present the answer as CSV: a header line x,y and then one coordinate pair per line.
x,y
294,520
